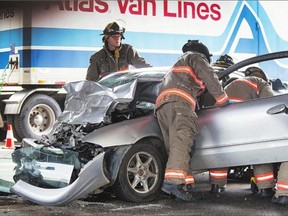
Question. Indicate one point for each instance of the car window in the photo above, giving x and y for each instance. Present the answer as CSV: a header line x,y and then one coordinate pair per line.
x,y
119,78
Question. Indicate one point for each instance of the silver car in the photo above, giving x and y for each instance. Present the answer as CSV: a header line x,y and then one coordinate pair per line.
x,y
107,138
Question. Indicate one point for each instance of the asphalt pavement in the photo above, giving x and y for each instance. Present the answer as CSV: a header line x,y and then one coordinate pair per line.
x,y
236,200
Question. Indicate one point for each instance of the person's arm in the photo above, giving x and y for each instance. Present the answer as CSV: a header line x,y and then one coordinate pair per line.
x,y
206,73
92,72
135,59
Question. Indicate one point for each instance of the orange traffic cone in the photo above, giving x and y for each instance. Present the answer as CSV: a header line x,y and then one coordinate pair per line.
x,y
9,141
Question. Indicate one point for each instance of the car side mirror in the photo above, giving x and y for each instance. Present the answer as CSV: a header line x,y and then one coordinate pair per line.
x,y
281,108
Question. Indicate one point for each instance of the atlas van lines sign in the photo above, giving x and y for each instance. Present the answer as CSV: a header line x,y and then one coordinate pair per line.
x,y
202,10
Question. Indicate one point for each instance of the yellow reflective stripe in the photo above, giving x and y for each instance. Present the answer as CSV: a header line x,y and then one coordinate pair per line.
x,y
190,72
235,99
282,186
250,83
178,92
189,180
265,177
175,174
223,98
218,174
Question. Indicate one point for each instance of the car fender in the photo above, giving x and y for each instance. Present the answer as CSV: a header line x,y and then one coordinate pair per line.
x,y
125,132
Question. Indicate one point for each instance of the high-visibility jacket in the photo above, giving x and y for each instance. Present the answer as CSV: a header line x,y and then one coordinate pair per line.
x,y
248,88
187,79
104,61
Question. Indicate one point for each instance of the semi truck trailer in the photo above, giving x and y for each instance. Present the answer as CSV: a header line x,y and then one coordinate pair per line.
x,y
46,44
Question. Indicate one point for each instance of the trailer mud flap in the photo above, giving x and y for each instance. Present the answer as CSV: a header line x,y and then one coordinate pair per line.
x,y
90,178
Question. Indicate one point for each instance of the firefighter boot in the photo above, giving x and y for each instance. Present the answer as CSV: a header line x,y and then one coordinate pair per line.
x,y
181,192
266,193
281,200
216,189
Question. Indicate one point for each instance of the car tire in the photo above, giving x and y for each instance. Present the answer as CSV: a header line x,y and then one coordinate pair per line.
x,y
141,174
37,116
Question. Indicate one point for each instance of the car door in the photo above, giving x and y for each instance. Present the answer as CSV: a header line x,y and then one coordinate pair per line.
x,y
242,134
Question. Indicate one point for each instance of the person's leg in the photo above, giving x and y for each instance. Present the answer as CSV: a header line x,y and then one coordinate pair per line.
x,y
180,119
264,177
281,195
218,179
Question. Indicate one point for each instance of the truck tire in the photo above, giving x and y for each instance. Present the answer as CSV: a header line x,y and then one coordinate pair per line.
x,y
37,116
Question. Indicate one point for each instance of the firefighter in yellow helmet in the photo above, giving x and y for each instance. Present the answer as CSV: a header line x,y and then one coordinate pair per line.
x,y
115,55
175,111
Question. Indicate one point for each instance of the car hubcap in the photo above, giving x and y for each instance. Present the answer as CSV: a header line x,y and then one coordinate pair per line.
x,y
143,172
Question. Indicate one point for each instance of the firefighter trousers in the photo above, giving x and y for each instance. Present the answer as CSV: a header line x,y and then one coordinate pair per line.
x,y
264,176
282,180
177,121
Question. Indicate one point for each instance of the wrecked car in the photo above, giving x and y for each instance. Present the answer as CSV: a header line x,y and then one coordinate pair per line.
x,y
107,138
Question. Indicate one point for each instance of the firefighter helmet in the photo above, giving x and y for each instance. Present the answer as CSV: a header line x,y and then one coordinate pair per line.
x,y
224,61
112,28
256,71
195,45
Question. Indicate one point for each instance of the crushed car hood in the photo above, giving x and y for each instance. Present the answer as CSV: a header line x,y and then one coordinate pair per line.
x,y
90,102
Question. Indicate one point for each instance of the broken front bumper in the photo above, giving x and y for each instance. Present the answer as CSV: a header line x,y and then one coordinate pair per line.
x,y
90,178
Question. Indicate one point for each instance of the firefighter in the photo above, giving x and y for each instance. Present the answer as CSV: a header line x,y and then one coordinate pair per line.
x,y
224,61
281,195
115,55
175,112
247,88
218,177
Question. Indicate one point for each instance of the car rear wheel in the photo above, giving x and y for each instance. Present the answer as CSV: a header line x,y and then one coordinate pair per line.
x,y
141,174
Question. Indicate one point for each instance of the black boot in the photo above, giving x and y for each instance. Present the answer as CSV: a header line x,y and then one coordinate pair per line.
x,y
180,192
281,200
266,193
216,189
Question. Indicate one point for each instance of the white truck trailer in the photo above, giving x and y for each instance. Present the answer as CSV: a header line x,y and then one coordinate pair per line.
x,y
45,44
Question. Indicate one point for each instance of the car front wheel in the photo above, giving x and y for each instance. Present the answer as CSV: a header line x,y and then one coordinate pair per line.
x,y
141,174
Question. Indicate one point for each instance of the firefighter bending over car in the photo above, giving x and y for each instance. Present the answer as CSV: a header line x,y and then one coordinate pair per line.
x,y
115,55
256,85
248,88
175,111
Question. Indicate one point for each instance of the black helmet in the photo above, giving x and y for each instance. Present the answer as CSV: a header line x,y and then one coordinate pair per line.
x,y
195,45
224,61
112,29
257,72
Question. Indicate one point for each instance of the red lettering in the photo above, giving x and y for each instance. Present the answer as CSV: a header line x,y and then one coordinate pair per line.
x,y
192,6
86,6
203,11
153,5
67,6
188,9
102,7
136,8
122,6
166,11
215,9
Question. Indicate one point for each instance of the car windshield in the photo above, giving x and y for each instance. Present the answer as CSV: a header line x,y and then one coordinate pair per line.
x,y
119,78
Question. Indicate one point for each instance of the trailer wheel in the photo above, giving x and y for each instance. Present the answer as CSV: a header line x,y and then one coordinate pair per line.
x,y
36,118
